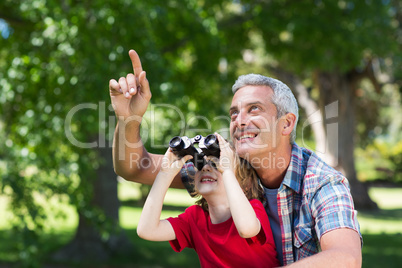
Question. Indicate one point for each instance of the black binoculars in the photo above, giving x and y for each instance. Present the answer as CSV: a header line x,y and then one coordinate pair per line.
x,y
207,146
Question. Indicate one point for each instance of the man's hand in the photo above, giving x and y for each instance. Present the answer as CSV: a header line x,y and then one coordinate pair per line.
x,y
131,94
130,98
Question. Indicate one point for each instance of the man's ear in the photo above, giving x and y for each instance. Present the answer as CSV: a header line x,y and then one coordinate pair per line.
x,y
289,123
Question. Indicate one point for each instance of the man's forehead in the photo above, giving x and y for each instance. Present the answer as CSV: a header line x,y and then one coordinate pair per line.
x,y
251,94
246,103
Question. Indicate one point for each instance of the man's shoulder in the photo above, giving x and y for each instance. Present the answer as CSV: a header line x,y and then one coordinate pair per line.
x,y
317,171
316,165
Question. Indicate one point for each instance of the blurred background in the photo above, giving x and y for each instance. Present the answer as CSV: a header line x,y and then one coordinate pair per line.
x,y
61,204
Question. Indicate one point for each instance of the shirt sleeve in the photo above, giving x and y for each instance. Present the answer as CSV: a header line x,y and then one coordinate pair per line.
x,y
333,208
265,235
181,227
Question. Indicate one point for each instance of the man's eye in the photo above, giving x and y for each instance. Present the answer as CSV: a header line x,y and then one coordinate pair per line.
x,y
253,108
234,113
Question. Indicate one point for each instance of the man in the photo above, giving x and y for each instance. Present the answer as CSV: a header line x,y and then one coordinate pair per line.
x,y
310,207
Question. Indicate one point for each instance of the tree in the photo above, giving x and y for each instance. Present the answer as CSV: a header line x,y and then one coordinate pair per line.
x,y
56,64
332,44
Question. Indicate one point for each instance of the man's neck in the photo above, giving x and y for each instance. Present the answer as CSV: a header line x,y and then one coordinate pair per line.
x,y
273,173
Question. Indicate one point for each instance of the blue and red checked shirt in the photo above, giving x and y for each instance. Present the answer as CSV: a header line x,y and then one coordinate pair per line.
x,y
312,200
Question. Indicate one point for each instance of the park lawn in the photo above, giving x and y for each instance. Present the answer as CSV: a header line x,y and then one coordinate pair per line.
x,y
381,230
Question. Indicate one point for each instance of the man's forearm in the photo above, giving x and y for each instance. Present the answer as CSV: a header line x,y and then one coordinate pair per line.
x,y
329,258
131,160
340,248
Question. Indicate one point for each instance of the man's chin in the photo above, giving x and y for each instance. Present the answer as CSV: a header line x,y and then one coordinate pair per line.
x,y
244,151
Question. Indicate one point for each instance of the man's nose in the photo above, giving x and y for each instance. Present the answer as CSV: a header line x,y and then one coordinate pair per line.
x,y
241,119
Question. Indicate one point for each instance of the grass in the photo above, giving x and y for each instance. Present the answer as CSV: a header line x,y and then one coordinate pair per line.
x,y
382,232
389,219
382,250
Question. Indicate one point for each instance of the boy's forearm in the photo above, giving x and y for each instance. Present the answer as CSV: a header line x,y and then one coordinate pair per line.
x,y
151,213
242,212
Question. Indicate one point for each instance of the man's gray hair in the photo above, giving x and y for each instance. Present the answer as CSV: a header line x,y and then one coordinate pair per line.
x,y
283,98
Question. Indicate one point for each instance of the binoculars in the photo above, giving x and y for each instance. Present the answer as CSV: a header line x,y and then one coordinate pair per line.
x,y
207,146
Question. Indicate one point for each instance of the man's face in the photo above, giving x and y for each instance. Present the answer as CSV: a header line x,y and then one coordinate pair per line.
x,y
253,126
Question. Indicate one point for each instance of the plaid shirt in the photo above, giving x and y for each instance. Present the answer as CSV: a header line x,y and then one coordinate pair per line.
x,y
313,199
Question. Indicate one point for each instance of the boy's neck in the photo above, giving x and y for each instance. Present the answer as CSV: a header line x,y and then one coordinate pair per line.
x,y
219,210
219,214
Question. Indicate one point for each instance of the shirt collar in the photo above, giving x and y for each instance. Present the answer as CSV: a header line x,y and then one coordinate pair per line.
x,y
296,169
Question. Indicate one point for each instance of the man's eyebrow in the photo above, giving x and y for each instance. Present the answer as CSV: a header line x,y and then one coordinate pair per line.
x,y
253,103
234,107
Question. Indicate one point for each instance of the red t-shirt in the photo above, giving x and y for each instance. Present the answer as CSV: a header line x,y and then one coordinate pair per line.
x,y
220,245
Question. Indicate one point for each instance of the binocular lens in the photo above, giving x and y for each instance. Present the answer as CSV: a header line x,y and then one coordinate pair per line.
x,y
210,139
176,143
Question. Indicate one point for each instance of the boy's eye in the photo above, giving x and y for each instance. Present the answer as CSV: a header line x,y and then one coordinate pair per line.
x,y
213,165
213,162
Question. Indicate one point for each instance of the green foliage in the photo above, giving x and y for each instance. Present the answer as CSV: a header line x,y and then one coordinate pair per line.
x,y
379,133
393,154
324,35
54,71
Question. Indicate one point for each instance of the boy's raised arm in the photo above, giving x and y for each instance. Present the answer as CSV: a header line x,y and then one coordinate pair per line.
x,y
150,227
243,214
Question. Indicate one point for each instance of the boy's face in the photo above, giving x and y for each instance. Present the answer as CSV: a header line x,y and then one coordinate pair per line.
x,y
208,180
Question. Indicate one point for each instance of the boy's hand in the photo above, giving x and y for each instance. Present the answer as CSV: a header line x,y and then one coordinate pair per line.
x,y
171,164
227,159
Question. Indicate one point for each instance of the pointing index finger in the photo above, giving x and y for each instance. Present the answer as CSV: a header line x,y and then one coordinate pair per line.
x,y
135,60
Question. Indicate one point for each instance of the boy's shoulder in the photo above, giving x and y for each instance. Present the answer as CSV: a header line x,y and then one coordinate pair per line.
x,y
196,211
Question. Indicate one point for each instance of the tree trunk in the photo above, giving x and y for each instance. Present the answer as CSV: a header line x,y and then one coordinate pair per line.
x,y
88,243
310,107
334,125
337,99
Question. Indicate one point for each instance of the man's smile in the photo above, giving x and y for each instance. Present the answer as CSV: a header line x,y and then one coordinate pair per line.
x,y
243,136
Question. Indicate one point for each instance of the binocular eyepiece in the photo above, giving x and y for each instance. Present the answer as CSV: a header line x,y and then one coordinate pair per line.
x,y
207,146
